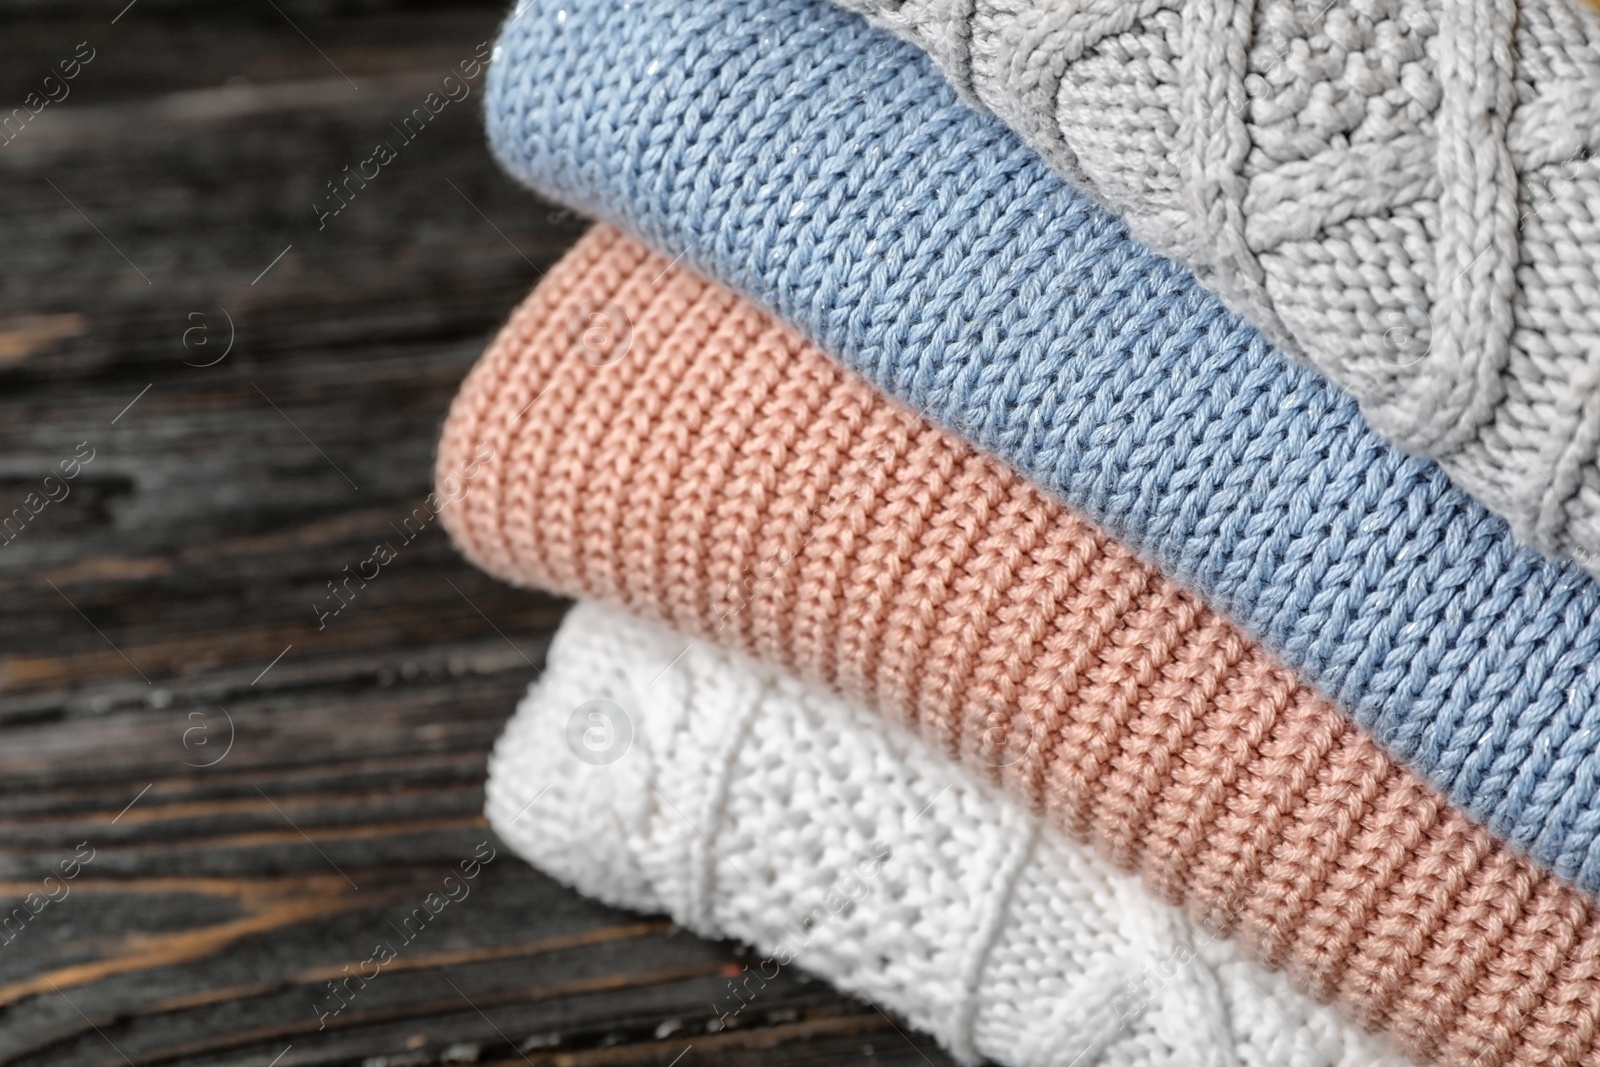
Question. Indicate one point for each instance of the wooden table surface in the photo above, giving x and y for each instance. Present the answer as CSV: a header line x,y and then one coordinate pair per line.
x,y
247,402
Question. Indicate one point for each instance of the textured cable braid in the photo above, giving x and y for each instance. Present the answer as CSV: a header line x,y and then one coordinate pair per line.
x,y
749,805
825,169
1404,192
661,445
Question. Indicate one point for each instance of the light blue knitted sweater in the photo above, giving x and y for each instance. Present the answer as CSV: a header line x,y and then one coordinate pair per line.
x,y
826,170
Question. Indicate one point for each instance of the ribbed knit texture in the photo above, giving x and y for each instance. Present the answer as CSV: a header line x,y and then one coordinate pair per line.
x,y
745,804
819,165
703,467
1404,192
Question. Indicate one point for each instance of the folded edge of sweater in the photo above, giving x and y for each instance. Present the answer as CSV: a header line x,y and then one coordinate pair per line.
x,y
825,169
1406,194
746,804
639,435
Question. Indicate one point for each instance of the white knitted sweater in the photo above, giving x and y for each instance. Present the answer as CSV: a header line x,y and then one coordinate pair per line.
x,y
1405,193
746,804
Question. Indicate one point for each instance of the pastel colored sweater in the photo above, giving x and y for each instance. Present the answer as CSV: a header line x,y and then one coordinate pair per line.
x,y
795,153
745,804
642,437
1404,193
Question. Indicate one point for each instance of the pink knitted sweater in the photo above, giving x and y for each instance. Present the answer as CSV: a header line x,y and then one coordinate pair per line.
x,y
655,442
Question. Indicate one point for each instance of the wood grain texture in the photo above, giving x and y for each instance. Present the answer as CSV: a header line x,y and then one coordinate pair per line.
x,y
265,799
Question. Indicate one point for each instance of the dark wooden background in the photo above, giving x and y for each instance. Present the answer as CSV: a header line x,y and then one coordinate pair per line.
x,y
163,608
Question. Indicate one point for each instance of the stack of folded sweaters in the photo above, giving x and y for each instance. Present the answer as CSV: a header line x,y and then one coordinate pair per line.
x,y
1086,511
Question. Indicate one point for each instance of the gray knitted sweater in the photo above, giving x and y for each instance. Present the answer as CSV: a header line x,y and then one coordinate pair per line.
x,y
1403,193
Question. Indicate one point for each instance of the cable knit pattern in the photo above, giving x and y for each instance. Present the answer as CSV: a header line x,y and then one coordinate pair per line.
x,y
749,805
649,440
1404,192
821,166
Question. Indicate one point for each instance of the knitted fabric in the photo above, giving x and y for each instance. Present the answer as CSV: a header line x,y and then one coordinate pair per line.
x,y
826,169
1406,193
658,444
745,804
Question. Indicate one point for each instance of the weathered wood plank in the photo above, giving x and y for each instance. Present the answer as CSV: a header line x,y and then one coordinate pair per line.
x,y
265,795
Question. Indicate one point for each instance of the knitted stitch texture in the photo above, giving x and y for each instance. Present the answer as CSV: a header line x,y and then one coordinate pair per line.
x,y
1404,192
746,804
919,241
663,446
